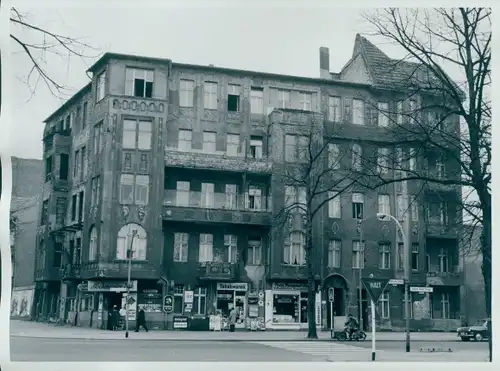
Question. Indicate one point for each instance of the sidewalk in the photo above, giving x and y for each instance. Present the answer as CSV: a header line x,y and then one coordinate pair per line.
x,y
43,330
393,356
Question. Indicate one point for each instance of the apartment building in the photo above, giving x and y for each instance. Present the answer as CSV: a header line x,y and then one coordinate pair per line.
x,y
182,163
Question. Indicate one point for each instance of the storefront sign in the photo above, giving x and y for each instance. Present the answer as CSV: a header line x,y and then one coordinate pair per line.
x,y
180,322
111,286
289,286
188,297
421,290
232,286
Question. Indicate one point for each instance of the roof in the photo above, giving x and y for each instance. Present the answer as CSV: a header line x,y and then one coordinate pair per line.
x,y
393,73
70,101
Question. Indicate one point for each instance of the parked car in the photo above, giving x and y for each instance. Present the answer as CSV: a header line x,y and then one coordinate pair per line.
x,y
481,330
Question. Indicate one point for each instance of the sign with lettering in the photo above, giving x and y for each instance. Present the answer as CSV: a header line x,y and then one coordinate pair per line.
x,y
375,287
188,297
111,286
180,322
289,286
396,281
421,290
168,304
232,286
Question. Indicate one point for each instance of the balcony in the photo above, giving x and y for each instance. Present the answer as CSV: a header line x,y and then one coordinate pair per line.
x,y
436,278
217,271
197,159
118,270
290,272
216,208
434,228
70,271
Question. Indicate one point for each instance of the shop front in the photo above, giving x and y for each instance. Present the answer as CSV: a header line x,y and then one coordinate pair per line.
x,y
286,306
232,295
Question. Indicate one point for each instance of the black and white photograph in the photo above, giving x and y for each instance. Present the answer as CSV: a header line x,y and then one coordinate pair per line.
x,y
244,181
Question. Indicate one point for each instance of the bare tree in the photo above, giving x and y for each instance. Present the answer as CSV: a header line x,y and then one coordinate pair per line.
x,y
445,120
37,43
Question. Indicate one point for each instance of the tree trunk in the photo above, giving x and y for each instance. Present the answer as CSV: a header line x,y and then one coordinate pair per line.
x,y
311,286
486,267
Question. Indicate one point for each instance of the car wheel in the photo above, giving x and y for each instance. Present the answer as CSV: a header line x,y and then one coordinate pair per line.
x,y
478,337
465,338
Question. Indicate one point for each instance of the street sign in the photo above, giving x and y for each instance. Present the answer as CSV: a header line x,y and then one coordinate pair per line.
x,y
395,281
168,304
331,295
421,289
375,287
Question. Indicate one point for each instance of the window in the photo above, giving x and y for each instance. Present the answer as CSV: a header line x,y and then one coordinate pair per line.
x,y
294,251
333,156
413,159
283,98
257,101
143,163
254,198
76,164
334,109
78,251
98,138
73,207
206,248
443,213
358,112
101,85
254,251
414,256
401,209
200,301
84,163
178,299
398,159
383,160
141,189
445,305
64,166
334,210
384,305
207,195
93,244
85,113
443,260
290,148
358,202
181,247
357,153
80,206
210,95
400,265
96,191
231,246
48,168
232,144
137,134
139,82
78,116
440,172
209,142
57,257
185,137
358,255
303,149
186,93
290,196
296,199
334,249
305,100
233,98
385,256
384,204
399,113
231,196
182,194
131,237
414,208
45,211
414,113
127,189
68,124
255,147
383,114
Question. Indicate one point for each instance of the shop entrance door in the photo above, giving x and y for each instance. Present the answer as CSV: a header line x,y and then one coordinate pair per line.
x,y
241,308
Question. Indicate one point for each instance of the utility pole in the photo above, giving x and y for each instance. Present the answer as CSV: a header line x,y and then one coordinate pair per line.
x,y
129,258
361,263
407,258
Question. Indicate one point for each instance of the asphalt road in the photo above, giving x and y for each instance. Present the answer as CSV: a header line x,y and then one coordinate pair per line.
x,y
59,350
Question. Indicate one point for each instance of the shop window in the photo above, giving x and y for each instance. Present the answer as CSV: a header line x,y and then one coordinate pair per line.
x,y
178,298
286,308
200,301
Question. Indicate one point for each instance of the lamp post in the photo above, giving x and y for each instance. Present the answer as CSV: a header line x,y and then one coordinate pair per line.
x,y
406,257
129,258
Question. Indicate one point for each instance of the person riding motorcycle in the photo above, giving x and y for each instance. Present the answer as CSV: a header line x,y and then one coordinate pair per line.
x,y
351,325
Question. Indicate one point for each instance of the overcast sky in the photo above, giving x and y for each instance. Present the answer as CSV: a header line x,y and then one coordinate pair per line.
x,y
275,37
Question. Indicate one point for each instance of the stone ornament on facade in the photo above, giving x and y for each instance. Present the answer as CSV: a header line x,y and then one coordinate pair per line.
x,y
125,212
385,230
415,230
141,212
335,228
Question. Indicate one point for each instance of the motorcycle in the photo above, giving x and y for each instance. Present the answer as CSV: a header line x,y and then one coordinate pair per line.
x,y
358,335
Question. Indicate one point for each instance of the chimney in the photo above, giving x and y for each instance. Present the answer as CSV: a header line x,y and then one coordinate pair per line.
x,y
324,63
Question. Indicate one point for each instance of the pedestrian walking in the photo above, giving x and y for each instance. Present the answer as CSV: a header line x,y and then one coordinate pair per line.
x,y
141,320
232,319
116,317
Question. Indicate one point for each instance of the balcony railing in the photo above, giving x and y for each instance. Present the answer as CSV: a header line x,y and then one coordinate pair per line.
x,y
218,201
217,271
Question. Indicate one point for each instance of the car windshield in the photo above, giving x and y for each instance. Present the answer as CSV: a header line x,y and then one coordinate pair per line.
x,y
480,323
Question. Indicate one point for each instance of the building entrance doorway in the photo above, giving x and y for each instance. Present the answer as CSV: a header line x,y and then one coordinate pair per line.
x,y
339,285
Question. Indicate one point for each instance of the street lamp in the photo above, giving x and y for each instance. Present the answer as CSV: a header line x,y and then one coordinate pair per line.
x,y
406,255
129,258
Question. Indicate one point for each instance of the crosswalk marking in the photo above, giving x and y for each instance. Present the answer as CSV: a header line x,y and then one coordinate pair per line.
x,y
314,348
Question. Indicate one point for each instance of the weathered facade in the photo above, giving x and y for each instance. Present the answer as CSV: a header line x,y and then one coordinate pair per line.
x,y
183,162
